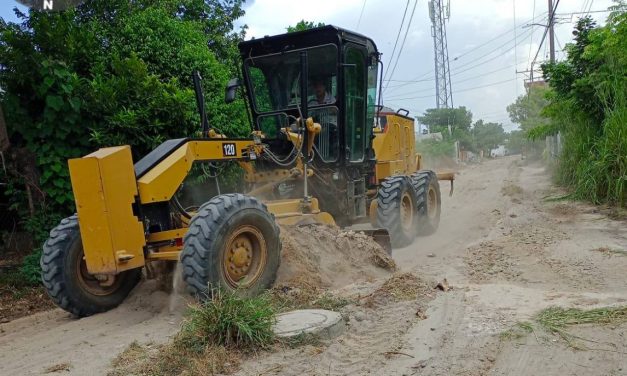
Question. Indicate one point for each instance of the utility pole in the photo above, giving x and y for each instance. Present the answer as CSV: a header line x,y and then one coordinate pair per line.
x,y
439,14
551,32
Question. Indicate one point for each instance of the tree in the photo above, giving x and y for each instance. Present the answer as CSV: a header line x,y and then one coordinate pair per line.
x,y
303,25
111,72
458,120
516,141
526,111
487,136
588,106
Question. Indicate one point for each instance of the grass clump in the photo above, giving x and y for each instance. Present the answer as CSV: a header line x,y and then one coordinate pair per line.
x,y
229,320
556,319
214,336
519,330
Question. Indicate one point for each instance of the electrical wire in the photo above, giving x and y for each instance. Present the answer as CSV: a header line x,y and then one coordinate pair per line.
x,y
515,43
400,29
532,30
589,7
464,90
474,49
546,30
487,54
361,14
398,56
489,73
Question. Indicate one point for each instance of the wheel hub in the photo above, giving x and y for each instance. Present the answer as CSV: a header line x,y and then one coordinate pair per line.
x,y
407,212
245,256
432,203
95,284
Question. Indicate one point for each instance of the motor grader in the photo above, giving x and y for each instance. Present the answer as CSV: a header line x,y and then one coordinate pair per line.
x,y
344,160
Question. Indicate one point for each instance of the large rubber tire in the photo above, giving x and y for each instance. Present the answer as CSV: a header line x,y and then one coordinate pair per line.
x,y
429,205
393,196
61,263
208,251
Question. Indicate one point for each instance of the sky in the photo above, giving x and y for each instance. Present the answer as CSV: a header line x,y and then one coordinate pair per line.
x,y
484,51
488,42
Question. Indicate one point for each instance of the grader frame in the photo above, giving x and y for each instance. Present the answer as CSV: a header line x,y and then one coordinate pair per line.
x,y
343,161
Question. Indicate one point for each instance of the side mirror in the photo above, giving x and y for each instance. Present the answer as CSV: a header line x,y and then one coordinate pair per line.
x,y
231,88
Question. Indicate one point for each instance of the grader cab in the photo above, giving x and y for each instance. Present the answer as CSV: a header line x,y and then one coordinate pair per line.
x,y
321,150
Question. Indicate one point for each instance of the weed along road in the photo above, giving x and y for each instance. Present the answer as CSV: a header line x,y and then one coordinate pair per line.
x,y
509,253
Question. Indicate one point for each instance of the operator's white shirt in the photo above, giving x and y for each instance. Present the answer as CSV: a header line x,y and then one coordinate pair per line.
x,y
328,98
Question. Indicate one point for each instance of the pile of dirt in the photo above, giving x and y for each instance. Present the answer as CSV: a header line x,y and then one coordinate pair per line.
x,y
322,256
400,287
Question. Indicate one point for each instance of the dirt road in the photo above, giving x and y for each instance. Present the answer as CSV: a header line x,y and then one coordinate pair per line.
x,y
507,252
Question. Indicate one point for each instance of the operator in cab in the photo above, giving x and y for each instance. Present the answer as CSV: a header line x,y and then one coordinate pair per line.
x,y
321,95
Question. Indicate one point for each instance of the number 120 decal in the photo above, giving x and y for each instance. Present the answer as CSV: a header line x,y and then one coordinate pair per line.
x,y
228,150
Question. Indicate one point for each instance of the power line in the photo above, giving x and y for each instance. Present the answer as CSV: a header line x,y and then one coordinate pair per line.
x,y
487,85
546,30
479,61
457,82
464,90
400,29
488,73
361,14
409,83
589,7
488,53
515,43
474,49
532,30
398,56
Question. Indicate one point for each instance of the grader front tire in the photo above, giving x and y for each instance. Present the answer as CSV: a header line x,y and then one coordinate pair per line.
x,y
233,244
65,277
396,210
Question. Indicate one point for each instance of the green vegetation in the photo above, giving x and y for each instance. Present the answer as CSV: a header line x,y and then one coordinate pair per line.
x,y
487,136
519,330
229,320
109,72
303,25
480,136
587,105
435,149
557,320
214,336
457,120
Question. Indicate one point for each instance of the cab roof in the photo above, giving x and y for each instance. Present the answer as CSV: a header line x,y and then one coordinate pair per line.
x,y
303,39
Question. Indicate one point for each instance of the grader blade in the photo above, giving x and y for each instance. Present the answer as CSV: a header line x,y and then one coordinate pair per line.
x,y
382,237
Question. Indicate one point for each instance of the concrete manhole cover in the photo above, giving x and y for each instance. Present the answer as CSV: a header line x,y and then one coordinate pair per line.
x,y
309,321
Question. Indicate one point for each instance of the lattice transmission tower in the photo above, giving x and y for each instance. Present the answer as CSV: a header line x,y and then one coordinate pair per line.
x,y
439,12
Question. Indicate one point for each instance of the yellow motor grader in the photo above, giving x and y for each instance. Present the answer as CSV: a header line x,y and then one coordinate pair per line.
x,y
321,150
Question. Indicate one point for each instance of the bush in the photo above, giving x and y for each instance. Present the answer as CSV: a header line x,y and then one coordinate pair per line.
x,y
588,105
436,149
30,270
229,320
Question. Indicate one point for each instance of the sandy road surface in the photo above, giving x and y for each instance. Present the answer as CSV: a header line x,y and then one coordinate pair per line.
x,y
507,252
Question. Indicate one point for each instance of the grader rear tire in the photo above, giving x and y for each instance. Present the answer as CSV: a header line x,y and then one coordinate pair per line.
x,y
233,244
396,210
429,203
65,277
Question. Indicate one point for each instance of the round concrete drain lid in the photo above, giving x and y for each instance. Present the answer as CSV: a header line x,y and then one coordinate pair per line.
x,y
309,321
